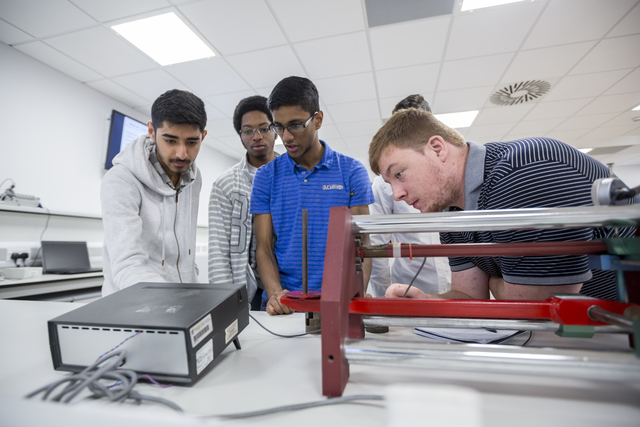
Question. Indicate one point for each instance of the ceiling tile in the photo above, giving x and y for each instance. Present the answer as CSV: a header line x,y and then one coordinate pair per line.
x,y
566,136
585,85
487,133
586,123
210,76
453,101
213,113
631,83
611,104
355,111
571,21
481,32
330,18
59,61
365,128
557,109
335,56
266,67
44,18
329,132
358,142
624,119
227,103
235,26
611,54
629,25
535,127
149,84
104,11
547,62
474,72
146,109
221,128
118,93
102,51
610,131
508,114
391,48
402,82
10,34
333,90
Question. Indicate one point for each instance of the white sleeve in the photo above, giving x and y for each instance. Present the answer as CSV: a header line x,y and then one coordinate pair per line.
x,y
380,267
129,263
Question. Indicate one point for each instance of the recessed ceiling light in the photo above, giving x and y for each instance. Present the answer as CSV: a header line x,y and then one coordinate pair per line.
x,y
165,38
585,150
636,109
479,4
457,120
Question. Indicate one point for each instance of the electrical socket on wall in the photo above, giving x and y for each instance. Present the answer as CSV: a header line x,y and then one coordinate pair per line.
x,y
17,250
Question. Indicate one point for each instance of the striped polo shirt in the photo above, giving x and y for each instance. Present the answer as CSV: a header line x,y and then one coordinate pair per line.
x,y
283,189
533,173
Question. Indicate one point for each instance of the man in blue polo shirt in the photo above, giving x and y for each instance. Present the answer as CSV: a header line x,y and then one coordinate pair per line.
x,y
311,176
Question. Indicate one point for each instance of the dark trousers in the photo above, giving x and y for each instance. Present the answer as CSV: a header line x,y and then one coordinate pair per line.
x,y
256,303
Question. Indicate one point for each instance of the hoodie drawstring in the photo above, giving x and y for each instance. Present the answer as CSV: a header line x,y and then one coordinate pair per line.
x,y
189,237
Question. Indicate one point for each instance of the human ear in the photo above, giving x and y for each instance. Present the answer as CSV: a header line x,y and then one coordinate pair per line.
x,y
439,147
318,119
152,131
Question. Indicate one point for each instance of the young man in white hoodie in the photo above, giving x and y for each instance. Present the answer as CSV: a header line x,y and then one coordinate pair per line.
x,y
150,198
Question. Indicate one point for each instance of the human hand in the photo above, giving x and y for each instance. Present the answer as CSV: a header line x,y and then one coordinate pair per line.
x,y
275,307
397,290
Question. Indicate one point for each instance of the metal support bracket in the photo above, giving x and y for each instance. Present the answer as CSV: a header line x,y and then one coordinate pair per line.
x,y
573,331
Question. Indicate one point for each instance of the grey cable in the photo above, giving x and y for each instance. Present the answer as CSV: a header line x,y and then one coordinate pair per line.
x,y
280,335
299,406
415,277
41,236
105,368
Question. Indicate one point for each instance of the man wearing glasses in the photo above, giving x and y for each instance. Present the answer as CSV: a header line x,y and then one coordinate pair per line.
x,y
232,248
311,176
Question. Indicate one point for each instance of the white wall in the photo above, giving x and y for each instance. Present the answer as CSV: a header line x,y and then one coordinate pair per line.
x,y
54,137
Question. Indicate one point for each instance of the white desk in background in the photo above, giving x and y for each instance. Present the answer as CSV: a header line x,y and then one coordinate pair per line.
x,y
47,285
271,371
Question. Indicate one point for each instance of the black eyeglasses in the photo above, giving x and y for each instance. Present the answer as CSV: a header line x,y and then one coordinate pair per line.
x,y
249,132
297,128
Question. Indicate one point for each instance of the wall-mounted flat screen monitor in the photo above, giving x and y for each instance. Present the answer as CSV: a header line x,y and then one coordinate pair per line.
x,y
123,130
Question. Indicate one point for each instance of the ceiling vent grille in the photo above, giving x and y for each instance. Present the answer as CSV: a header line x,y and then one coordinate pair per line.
x,y
522,92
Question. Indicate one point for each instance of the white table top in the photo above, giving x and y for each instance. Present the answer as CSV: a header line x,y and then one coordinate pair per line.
x,y
271,371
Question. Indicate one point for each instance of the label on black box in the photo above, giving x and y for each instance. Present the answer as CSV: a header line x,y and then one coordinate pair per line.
x,y
204,356
200,330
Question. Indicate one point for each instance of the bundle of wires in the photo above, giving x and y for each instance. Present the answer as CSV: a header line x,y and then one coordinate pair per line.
x,y
106,368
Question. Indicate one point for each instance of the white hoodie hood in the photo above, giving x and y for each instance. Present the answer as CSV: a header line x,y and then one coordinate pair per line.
x,y
150,228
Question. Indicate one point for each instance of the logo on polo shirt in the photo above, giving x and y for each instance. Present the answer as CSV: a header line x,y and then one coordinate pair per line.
x,y
333,187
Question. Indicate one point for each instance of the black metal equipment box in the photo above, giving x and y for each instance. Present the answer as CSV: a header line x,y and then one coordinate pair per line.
x,y
173,331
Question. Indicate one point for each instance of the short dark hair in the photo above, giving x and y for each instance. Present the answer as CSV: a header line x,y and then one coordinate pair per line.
x,y
178,107
295,91
412,101
252,103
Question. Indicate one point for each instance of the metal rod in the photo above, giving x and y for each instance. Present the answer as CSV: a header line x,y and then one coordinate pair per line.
x,y
602,315
607,366
489,249
305,273
492,220
514,325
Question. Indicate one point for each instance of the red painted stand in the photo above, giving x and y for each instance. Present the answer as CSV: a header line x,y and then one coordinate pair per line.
x,y
342,304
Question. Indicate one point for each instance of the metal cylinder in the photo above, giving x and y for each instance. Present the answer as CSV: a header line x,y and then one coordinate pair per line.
x,y
492,220
600,314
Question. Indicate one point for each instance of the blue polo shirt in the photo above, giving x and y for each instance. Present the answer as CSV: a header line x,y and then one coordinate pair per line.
x,y
283,189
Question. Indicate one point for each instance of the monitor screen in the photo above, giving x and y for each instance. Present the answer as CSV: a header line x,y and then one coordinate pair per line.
x,y
123,130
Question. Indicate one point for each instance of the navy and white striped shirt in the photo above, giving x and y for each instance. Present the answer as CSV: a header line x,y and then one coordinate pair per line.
x,y
534,173
283,189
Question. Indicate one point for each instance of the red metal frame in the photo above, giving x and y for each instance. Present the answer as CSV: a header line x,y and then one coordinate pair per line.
x,y
343,304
